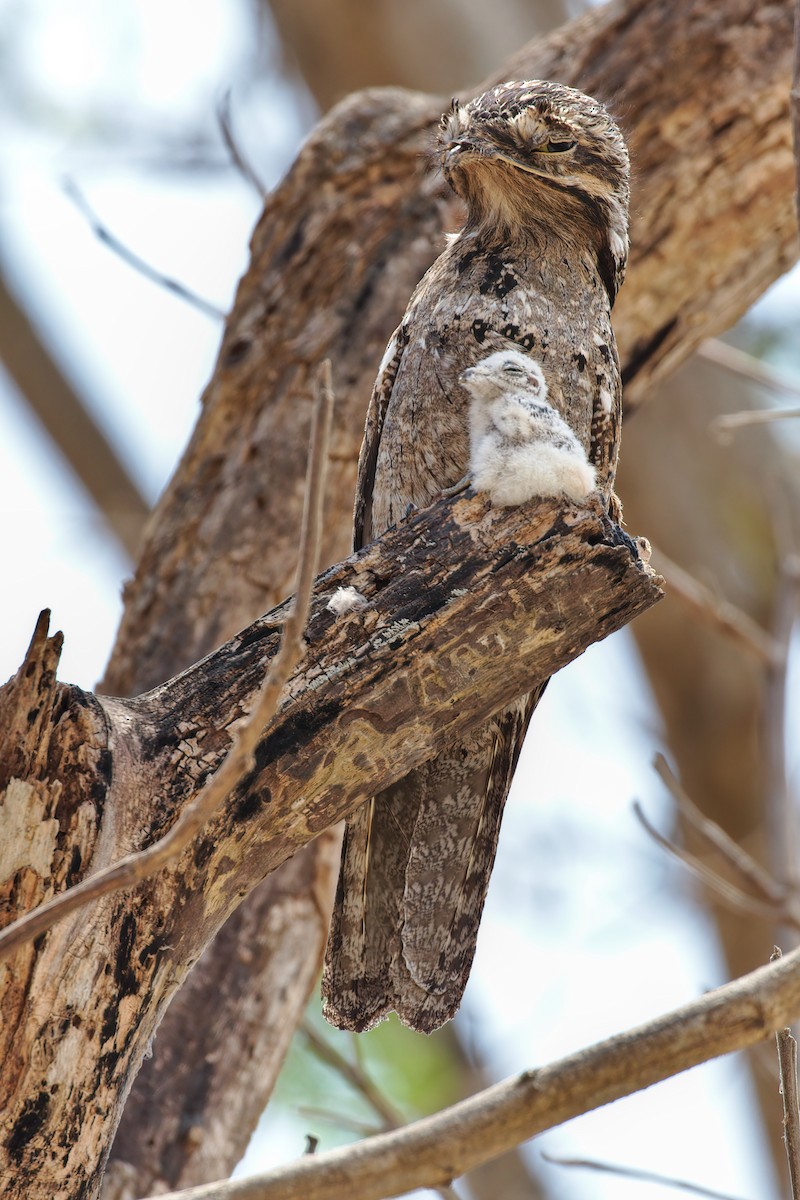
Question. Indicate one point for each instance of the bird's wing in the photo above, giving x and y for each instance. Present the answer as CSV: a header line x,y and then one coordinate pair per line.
x,y
376,415
606,414
366,914
452,854
364,941
416,864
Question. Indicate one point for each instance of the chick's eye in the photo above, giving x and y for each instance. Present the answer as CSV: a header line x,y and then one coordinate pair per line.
x,y
557,147
512,369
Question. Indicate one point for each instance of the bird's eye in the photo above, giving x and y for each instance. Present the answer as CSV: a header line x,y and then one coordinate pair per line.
x,y
513,369
556,147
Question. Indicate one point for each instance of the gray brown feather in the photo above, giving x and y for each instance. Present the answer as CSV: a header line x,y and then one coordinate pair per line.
x,y
536,267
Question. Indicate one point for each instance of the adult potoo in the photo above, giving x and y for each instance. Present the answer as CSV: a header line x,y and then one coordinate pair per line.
x,y
544,173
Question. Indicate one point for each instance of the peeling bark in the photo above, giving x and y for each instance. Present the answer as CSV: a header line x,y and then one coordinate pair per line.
x,y
701,89
444,640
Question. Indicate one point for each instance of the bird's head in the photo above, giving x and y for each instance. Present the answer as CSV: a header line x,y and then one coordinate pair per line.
x,y
503,372
538,154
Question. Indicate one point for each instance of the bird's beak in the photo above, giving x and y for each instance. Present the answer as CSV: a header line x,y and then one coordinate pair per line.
x,y
459,146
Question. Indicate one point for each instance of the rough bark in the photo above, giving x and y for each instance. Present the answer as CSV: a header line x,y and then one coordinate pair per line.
x,y
358,219
447,636
701,88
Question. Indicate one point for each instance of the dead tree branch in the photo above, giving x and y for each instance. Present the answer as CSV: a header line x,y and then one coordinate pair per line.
x,y
342,243
239,760
62,411
787,1065
439,1148
604,1168
731,621
444,638
750,889
118,247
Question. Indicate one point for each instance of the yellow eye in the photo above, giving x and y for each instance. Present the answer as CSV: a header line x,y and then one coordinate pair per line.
x,y
556,147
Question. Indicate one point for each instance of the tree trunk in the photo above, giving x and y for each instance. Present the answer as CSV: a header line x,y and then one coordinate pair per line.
x,y
702,91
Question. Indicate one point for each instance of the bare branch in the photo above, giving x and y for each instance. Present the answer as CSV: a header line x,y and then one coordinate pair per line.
x,y
591,1164
133,260
747,366
239,759
787,1062
757,893
781,814
723,426
787,1059
64,414
355,1075
364,1128
727,891
238,159
752,873
431,1151
725,617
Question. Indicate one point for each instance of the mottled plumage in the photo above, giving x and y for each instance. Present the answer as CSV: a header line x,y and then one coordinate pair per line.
x,y
519,446
543,171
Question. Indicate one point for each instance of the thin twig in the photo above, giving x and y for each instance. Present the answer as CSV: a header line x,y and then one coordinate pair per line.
x,y
354,1075
787,1063
726,890
239,759
103,234
726,617
739,362
724,425
781,810
357,1077
750,871
747,366
449,1143
237,158
591,1164
362,1128
757,894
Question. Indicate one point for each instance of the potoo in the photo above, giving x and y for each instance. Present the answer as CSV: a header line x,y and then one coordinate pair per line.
x,y
544,174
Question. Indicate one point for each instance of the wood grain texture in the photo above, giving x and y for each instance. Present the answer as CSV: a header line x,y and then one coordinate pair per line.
x,y
701,90
372,699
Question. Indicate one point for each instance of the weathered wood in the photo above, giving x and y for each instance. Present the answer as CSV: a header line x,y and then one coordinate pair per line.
x,y
444,639
360,216
701,89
